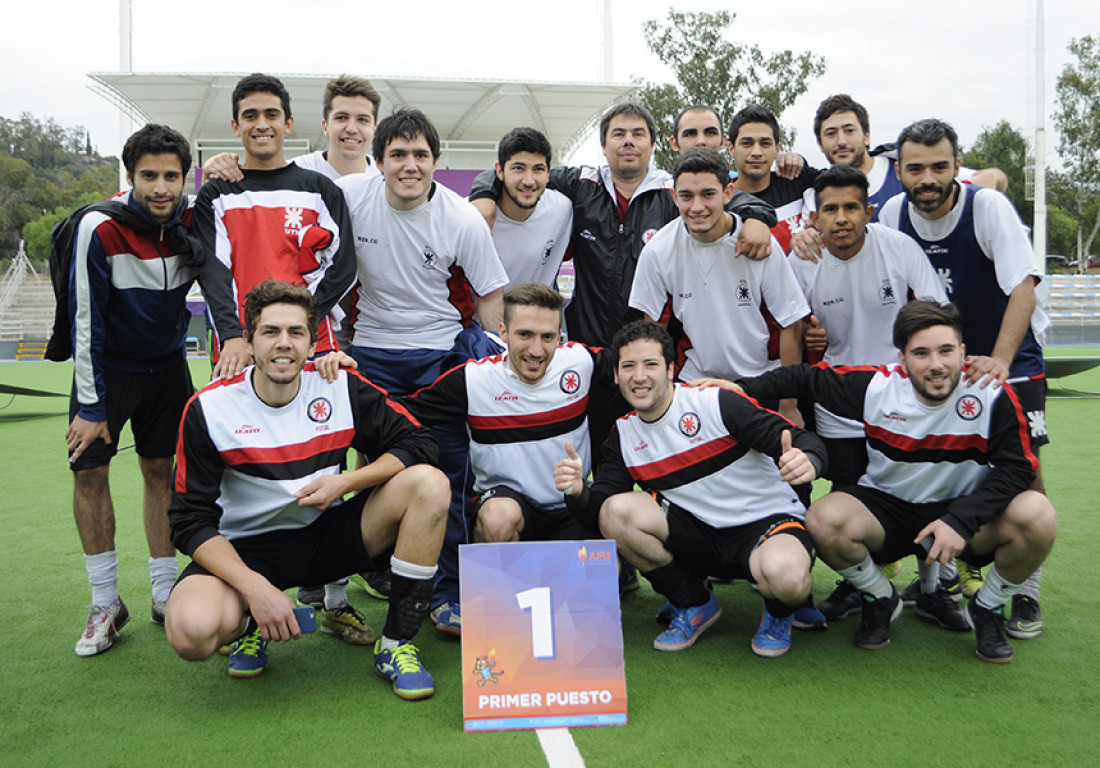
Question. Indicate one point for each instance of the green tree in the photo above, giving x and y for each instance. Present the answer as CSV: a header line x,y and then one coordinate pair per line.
x,y
712,70
45,167
1077,118
1003,146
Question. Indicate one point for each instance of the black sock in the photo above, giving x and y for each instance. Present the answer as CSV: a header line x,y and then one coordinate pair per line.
x,y
677,583
410,600
778,608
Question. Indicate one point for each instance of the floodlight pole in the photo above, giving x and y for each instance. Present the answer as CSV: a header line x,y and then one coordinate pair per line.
x,y
125,64
1039,235
606,74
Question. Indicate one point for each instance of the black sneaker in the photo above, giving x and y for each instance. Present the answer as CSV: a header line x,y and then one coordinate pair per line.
x,y
989,626
909,594
940,608
314,596
375,583
1027,620
874,628
841,603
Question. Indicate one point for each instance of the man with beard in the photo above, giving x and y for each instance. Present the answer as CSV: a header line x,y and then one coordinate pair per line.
x,y
949,474
975,240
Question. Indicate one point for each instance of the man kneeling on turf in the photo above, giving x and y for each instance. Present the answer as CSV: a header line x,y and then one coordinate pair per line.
x,y
715,503
949,467
258,499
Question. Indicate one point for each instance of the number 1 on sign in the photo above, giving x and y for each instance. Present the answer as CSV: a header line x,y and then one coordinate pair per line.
x,y
537,601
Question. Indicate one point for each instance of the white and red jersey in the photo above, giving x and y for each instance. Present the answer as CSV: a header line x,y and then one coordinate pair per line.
x,y
318,161
713,453
419,270
517,430
285,224
857,300
723,301
239,461
972,450
532,250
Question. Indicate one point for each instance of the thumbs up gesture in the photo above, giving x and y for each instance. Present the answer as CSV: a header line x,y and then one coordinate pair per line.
x,y
569,472
795,467
814,337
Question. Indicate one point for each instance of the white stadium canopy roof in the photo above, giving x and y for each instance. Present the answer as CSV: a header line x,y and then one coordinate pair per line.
x,y
470,115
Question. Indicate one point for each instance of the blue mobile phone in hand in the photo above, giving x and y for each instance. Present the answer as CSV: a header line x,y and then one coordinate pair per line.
x,y
306,617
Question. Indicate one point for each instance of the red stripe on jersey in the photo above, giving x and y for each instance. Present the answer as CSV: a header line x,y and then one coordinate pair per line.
x,y
680,461
460,294
928,443
281,454
396,407
522,420
1021,425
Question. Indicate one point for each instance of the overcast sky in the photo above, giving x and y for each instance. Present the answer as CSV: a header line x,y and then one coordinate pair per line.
x,y
972,67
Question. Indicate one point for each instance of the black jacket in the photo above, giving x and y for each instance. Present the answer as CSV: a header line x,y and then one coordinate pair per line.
x,y
605,251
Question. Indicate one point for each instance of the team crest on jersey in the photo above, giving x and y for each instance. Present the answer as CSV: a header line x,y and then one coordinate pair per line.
x,y
570,382
744,294
429,257
886,292
546,249
292,218
968,407
689,424
648,235
319,410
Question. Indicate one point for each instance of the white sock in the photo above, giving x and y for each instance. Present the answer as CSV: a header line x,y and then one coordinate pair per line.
x,y
1031,586
388,643
162,573
336,594
929,576
103,576
866,577
411,570
948,570
996,590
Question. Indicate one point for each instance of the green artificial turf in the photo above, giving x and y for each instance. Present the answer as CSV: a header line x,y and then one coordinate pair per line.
x,y
925,700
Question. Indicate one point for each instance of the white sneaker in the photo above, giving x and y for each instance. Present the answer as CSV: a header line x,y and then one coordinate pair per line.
x,y
103,625
156,613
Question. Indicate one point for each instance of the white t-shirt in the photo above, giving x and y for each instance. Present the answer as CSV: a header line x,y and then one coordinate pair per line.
x,y
315,161
532,250
719,299
856,301
416,268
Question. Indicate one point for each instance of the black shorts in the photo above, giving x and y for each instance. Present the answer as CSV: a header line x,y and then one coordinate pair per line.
x,y
329,548
724,552
152,402
847,460
902,521
540,523
1033,399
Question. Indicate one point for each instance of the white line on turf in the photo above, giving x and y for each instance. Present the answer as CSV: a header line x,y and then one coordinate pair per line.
x,y
557,744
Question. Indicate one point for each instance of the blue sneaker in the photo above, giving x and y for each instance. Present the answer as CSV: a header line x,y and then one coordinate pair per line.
x,y
687,624
402,666
448,618
809,618
773,636
248,656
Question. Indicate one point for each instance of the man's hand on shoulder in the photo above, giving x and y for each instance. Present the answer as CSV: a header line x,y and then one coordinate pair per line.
x,y
754,240
487,208
807,244
329,366
225,166
233,359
